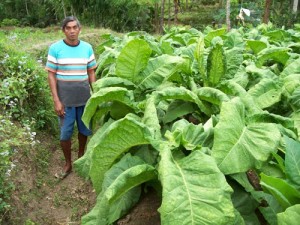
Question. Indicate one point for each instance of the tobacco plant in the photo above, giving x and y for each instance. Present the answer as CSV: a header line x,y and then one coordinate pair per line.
x,y
210,119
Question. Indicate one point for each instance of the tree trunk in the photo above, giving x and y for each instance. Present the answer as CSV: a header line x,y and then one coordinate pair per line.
x,y
228,15
26,7
176,9
266,17
220,3
295,6
156,19
64,8
169,14
162,16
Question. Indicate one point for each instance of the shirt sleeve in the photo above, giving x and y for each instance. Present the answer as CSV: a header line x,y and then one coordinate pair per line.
x,y
51,64
91,61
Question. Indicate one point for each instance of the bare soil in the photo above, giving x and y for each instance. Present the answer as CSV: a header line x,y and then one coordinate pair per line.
x,y
40,198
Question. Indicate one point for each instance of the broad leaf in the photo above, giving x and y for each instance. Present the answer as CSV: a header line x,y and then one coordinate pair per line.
x,y
199,56
112,82
291,216
188,135
238,146
277,54
132,60
266,93
182,94
118,138
234,59
292,68
160,69
256,45
216,64
212,95
194,191
82,165
270,209
285,193
107,201
177,109
212,34
292,161
106,95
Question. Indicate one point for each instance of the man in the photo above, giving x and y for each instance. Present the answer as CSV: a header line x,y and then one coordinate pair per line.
x,y
71,71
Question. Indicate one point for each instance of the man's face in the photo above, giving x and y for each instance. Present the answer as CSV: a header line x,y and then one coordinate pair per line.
x,y
71,31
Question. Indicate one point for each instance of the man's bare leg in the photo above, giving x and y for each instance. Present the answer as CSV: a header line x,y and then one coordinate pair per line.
x,y
82,139
66,147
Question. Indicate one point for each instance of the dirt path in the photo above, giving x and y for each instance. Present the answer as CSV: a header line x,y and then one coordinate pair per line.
x,y
41,198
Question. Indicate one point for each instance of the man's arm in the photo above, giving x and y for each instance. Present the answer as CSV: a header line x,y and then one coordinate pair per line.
x,y
92,77
58,106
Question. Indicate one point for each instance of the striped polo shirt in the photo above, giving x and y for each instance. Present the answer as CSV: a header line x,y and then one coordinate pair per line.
x,y
71,64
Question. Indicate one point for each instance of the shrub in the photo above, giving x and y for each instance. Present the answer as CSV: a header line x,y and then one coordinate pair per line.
x,y
10,22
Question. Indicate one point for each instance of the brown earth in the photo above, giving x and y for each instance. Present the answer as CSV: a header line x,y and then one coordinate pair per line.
x,y
40,198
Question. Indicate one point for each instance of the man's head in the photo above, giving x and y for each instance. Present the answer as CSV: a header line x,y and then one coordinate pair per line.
x,y
71,28
69,19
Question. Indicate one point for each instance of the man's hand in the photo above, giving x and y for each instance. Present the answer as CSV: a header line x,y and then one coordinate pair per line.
x,y
59,108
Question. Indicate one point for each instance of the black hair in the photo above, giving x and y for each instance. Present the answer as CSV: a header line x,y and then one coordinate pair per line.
x,y
69,19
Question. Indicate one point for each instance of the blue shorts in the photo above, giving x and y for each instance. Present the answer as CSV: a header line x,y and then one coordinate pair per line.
x,y
67,122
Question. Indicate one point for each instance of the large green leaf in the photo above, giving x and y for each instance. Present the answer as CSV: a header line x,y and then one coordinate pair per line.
x,y
182,94
194,191
245,204
189,135
285,193
234,59
216,63
256,45
270,209
106,95
82,165
160,69
177,109
121,205
266,117
277,54
294,99
266,93
291,82
110,205
291,216
292,68
211,95
234,39
296,118
292,161
132,60
118,138
199,56
238,146
212,34
112,82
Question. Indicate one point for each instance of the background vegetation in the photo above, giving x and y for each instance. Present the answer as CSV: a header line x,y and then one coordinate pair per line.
x,y
25,103
148,15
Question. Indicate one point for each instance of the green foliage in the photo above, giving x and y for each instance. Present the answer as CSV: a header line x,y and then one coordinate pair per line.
x,y
12,137
9,22
24,91
241,102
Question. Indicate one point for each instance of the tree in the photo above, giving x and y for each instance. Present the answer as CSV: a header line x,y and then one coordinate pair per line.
x,y
176,10
228,15
295,6
266,17
162,15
